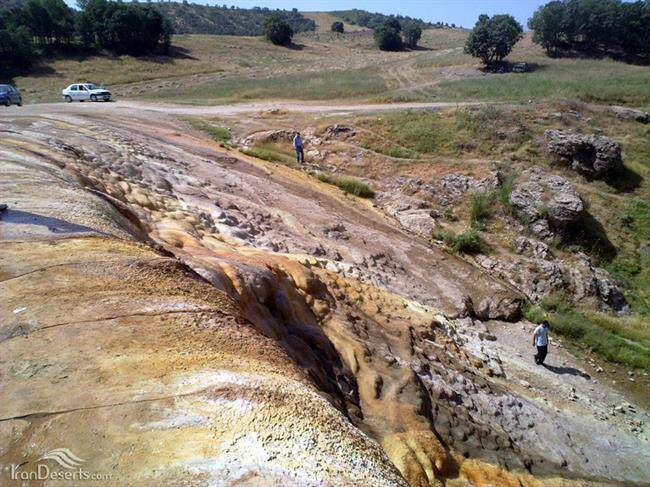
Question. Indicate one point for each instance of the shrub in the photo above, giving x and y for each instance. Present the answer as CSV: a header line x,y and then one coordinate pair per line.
x,y
480,207
468,242
278,31
493,38
337,27
388,36
349,185
505,189
412,34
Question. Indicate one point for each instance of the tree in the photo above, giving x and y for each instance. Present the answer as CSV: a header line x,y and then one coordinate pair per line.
x,y
388,36
547,26
337,27
277,31
594,27
412,34
50,21
123,27
635,36
493,38
15,45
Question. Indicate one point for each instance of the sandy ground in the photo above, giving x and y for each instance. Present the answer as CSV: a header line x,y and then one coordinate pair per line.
x,y
227,109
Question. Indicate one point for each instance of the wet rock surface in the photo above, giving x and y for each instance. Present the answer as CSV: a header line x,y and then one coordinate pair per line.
x,y
210,319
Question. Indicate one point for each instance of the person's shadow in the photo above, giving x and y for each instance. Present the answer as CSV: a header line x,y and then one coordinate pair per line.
x,y
567,371
54,225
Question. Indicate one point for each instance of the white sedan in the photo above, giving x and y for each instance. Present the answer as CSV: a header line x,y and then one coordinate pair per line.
x,y
85,91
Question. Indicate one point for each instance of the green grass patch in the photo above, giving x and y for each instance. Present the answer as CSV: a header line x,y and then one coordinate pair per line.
x,y
487,131
504,190
217,133
269,153
622,340
307,86
609,82
349,185
631,266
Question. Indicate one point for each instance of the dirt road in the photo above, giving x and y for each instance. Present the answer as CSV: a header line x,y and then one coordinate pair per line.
x,y
227,109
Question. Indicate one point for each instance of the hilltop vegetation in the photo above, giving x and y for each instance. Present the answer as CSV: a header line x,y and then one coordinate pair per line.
x,y
190,18
613,28
46,27
374,20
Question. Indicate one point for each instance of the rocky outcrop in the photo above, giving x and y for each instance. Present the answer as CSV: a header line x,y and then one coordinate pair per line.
x,y
242,323
546,201
133,362
593,156
625,113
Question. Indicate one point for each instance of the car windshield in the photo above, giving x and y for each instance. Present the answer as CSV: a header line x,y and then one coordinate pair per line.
x,y
5,88
91,86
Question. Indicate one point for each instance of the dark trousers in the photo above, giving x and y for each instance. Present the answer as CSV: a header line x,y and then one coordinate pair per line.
x,y
300,155
541,354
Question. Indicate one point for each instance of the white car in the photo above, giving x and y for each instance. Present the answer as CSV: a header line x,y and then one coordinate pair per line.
x,y
85,91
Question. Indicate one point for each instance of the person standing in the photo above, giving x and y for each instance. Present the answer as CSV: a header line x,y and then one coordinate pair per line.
x,y
540,340
297,145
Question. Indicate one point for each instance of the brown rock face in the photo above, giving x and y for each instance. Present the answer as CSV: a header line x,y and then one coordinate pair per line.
x,y
173,315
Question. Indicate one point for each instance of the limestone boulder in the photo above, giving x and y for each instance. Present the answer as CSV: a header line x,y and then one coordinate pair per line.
x,y
546,197
626,113
593,156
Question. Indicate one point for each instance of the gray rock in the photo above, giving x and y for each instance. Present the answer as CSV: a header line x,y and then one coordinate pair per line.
x,y
525,199
564,207
548,197
625,113
531,247
591,155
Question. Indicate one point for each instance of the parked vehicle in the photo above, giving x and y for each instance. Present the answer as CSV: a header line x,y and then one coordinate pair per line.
x,y
520,68
85,91
10,96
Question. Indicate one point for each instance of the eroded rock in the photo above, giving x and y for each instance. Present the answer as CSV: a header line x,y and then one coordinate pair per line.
x,y
626,113
593,156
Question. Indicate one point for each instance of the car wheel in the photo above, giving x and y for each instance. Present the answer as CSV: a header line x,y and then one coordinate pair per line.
x,y
93,98
20,102
68,98
7,103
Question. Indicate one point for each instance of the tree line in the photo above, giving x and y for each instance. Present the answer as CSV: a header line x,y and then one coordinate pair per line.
x,y
594,28
190,18
46,25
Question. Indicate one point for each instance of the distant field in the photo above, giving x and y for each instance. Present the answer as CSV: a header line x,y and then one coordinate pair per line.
x,y
603,81
323,65
359,84
324,21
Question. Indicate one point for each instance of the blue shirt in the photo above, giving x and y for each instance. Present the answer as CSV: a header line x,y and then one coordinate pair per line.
x,y
297,142
541,336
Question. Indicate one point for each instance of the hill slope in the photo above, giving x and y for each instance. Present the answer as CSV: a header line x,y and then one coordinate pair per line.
x,y
207,19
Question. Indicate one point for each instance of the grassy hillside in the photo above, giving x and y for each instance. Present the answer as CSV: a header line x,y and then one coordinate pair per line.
x,y
373,20
327,66
324,21
205,19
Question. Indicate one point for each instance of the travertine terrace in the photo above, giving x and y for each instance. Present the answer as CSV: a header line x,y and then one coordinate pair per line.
x,y
176,313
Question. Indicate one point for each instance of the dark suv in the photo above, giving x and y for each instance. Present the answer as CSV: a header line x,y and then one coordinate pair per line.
x,y
10,95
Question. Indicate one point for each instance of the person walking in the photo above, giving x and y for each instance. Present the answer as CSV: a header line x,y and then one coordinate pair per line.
x,y
297,145
540,340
